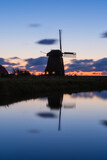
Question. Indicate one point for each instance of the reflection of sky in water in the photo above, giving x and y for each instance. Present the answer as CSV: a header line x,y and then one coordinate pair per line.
x,y
25,134
102,94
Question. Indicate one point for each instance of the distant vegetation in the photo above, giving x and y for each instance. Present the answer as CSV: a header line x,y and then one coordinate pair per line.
x,y
20,72
19,88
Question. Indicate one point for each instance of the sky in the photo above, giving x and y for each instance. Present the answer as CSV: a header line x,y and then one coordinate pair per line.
x,y
24,23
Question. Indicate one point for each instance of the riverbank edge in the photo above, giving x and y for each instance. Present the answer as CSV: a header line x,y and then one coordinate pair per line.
x,y
23,88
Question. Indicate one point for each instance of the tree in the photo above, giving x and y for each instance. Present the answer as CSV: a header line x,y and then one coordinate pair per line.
x,y
19,72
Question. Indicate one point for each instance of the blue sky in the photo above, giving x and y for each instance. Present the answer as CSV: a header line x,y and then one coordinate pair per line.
x,y
82,23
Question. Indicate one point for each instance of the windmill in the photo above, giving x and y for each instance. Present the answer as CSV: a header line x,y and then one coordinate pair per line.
x,y
55,64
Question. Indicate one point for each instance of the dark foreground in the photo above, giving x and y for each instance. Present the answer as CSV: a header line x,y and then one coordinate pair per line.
x,y
13,89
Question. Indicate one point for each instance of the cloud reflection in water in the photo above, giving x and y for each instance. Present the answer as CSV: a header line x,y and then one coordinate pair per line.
x,y
46,115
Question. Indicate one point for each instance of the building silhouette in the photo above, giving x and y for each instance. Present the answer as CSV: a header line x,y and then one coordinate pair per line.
x,y
3,71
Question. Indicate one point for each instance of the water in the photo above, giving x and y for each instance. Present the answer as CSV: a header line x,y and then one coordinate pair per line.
x,y
71,127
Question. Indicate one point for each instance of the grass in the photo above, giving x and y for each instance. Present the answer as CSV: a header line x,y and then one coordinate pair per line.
x,y
13,89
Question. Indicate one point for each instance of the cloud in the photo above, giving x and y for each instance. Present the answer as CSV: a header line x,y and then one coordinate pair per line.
x,y
34,25
37,61
31,64
47,41
104,35
4,62
39,64
104,122
46,115
33,131
87,65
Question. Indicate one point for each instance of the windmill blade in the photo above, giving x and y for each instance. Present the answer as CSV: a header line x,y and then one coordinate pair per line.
x,y
69,54
70,106
60,40
43,52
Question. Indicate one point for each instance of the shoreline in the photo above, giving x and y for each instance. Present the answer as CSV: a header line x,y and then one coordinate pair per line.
x,y
15,89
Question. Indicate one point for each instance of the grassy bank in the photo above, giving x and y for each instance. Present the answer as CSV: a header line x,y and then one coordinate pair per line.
x,y
15,88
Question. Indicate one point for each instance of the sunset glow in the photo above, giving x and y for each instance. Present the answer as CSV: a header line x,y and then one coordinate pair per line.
x,y
80,73
37,66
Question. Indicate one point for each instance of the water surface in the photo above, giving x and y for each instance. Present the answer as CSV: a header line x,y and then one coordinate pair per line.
x,y
55,127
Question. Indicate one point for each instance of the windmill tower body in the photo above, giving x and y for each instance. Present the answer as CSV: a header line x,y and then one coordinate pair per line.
x,y
55,65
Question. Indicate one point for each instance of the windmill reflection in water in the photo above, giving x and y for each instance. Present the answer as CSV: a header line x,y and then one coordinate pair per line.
x,y
55,103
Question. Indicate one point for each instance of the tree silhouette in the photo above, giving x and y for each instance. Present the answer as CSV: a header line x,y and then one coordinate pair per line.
x,y
19,72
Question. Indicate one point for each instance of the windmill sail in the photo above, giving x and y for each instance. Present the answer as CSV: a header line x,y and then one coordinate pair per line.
x,y
60,40
69,54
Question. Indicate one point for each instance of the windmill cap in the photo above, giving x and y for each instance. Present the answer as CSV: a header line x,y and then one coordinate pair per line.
x,y
55,53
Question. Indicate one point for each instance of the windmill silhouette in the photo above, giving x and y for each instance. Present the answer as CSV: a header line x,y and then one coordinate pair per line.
x,y
55,65
55,102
